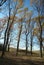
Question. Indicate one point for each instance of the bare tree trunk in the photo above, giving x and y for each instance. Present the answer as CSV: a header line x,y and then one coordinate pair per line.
x,y
26,33
5,40
31,42
4,45
43,48
26,45
41,42
18,40
8,47
40,37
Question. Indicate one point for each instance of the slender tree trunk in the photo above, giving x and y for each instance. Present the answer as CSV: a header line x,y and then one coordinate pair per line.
x,y
8,47
4,45
17,47
26,33
43,48
18,40
31,41
31,44
26,45
40,36
41,42
5,40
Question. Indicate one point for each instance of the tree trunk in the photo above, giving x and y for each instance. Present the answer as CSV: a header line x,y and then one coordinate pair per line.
x,y
26,45
40,36
43,48
31,42
8,47
41,42
5,40
31,46
18,40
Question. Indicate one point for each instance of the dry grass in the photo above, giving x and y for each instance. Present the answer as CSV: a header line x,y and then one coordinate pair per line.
x,y
10,58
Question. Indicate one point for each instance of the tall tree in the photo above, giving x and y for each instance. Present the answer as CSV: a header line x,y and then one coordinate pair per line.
x,y
5,35
26,32
30,26
9,24
38,6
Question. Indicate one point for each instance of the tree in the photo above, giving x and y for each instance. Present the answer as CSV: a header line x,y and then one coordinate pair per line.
x,y
27,20
5,35
9,25
38,6
30,26
31,32
23,16
26,32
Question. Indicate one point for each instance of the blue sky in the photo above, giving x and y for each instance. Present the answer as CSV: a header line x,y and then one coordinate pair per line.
x,y
26,4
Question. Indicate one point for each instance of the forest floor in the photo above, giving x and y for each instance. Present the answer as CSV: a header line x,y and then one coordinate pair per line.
x,y
10,58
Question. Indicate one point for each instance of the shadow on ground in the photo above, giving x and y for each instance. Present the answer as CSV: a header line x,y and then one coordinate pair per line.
x,y
10,58
18,61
